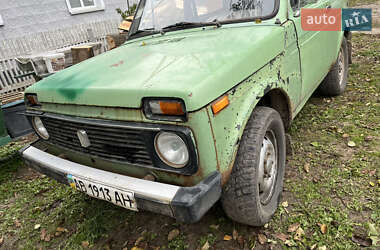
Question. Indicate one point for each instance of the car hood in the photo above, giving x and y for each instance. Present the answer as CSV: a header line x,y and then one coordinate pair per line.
x,y
195,65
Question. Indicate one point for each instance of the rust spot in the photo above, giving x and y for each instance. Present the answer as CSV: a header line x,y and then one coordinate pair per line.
x,y
226,176
188,181
118,64
213,138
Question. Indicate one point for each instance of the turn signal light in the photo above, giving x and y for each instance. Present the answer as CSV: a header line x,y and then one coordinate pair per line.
x,y
220,104
171,108
31,100
165,109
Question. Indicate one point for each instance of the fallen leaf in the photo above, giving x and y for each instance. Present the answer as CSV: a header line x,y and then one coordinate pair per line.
x,y
364,242
173,234
339,130
289,243
1,240
292,228
351,144
313,247
47,237
206,246
368,138
235,234
372,184
323,228
299,234
372,172
227,237
373,234
262,238
137,248
61,229
57,234
285,204
315,144
372,230
281,236
43,234
37,226
85,244
139,240
17,223
306,167
374,240
345,135
322,248
215,227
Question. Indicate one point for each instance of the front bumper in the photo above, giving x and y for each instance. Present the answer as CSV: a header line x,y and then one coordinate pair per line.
x,y
186,204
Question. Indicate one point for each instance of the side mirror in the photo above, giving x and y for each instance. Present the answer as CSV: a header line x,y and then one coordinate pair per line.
x,y
297,13
296,7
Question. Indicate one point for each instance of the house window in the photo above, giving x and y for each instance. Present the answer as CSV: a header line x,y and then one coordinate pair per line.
x,y
1,21
83,6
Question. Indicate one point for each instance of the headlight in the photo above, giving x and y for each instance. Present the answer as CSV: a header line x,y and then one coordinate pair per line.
x,y
40,128
171,149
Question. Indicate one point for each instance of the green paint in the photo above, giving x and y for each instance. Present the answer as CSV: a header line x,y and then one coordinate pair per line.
x,y
244,60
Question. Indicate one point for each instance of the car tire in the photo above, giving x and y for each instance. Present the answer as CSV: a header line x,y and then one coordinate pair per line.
x,y
246,197
336,80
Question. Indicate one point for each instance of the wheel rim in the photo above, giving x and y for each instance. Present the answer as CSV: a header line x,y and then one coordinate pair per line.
x,y
341,67
267,167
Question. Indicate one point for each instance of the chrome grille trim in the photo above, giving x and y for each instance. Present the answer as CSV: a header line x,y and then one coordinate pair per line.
x,y
110,141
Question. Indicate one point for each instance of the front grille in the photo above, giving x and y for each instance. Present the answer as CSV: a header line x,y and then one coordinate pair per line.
x,y
110,143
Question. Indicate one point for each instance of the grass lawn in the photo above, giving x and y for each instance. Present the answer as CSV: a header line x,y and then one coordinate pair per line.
x,y
331,196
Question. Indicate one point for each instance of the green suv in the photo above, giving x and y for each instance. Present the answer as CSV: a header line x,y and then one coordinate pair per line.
x,y
193,108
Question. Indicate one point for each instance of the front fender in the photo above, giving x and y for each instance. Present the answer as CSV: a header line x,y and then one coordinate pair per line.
x,y
228,125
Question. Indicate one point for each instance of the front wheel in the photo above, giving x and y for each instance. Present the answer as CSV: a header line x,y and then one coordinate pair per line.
x,y
252,193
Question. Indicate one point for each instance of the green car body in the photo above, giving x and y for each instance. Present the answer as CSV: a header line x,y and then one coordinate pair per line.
x,y
269,62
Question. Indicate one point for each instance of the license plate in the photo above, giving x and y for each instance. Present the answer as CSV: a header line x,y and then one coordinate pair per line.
x,y
125,199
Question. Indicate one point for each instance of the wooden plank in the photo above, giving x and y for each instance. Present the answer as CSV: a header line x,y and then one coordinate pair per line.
x,y
81,53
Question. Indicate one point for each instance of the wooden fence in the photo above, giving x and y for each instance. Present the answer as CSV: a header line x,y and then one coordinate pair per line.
x,y
46,41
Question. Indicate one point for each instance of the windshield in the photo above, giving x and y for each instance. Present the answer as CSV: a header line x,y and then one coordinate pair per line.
x,y
158,14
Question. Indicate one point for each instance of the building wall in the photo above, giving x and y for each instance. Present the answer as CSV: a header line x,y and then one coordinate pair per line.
x,y
26,17
35,26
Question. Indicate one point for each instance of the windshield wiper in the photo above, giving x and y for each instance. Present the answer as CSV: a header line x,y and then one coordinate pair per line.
x,y
191,25
147,31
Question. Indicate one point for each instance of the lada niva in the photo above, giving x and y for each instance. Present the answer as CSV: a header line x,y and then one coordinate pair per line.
x,y
193,108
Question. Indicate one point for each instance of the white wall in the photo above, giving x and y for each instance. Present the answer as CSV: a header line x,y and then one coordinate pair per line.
x,y
23,17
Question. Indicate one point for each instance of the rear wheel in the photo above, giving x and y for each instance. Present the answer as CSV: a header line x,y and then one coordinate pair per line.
x,y
252,193
336,80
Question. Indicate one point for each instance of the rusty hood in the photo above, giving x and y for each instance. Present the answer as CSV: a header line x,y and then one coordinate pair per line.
x,y
195,65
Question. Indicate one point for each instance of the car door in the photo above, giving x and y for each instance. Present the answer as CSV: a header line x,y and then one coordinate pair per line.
x,y
317,48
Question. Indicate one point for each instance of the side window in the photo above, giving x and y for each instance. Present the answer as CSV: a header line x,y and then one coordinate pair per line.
x,y
83,6
1,21
297,4
307,2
